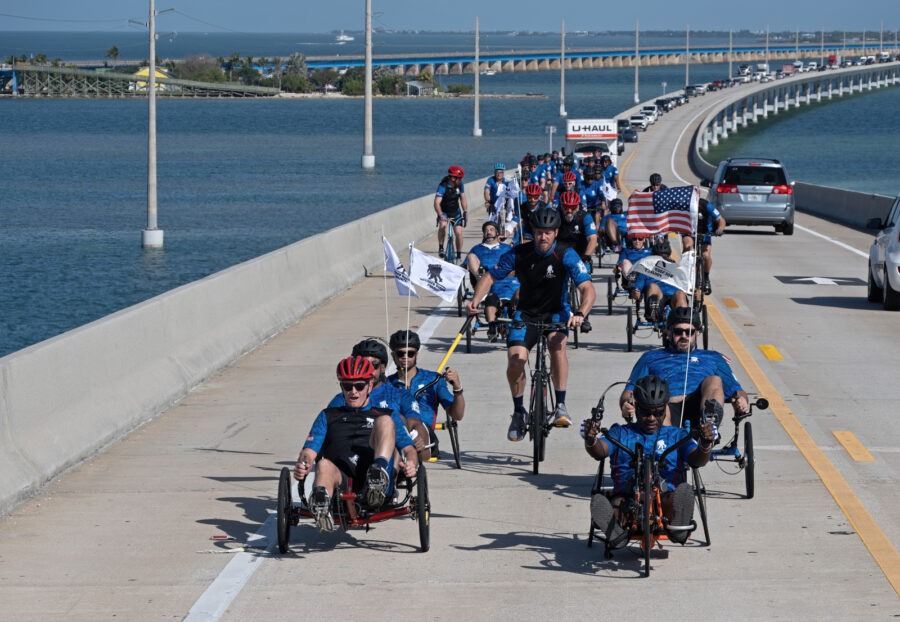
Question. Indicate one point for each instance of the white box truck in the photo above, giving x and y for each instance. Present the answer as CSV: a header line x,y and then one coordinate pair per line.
x,y
585,136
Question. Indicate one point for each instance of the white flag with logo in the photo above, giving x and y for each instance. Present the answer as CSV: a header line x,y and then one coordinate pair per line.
x,y
678,274
392,264
439,277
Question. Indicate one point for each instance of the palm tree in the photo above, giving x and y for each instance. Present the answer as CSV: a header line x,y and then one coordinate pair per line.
x,y
113,54
233,60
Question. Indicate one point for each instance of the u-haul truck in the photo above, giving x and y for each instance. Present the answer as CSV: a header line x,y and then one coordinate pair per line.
x,y
585,136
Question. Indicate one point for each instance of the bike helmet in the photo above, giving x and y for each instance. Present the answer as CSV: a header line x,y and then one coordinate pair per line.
x,y
355,368
569,161
405,339
655,179
371,347
615,206
651,392
684,315
598,171
570,176
569,199
662,247
499,166
544,218
533,190
456,171
529,160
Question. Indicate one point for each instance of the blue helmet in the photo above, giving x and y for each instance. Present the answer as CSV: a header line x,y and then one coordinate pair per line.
x,y
499,166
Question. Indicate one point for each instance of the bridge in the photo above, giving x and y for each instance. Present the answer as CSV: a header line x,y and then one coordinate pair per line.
x,y
544,60
218,382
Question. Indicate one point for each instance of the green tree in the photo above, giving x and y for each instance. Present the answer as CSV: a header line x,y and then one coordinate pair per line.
x,y
296,66
113,54
460,89
233,61
200,68
295,84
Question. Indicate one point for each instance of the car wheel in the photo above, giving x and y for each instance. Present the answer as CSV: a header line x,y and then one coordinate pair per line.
x,y
873,292
890,296
787,228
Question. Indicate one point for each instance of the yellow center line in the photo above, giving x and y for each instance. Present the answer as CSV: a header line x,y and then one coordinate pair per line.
x,y
730,303
771,352
853,446
870,533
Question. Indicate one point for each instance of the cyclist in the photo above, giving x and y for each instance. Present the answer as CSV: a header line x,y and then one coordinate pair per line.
x,y
655,183
543,269
695,376
576,229
482,258
530,171
592,195
636,248
355,440
614,225
651,396
570,184
710,222
655,293
559,182
611,184
533,202
405,346
450,204
492,187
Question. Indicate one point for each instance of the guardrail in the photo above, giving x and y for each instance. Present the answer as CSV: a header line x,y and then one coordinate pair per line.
x,y
847,207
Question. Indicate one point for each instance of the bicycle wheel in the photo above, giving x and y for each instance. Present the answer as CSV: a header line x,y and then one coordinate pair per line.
x,y
629,327
285,510
536,422
700,493
749,461
450,247
461,298
453,429
610,293
704,317
423,509
646,508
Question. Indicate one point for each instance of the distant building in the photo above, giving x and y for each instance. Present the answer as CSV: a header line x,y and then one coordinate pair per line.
x,y
144,72
420,88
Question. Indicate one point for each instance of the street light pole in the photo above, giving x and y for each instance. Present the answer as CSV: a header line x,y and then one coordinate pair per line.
x,y
368,158
562,72
637,64
151,237
476,131
687,55
550,129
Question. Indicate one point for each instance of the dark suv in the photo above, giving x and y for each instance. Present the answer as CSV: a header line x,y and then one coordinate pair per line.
x,y
754,191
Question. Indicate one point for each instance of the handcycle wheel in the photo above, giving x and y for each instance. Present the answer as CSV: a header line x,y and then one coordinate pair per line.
x,y
704,317
700,493
460,298
749,460
285,510
423,508
610,294
453,430
646,508
629,327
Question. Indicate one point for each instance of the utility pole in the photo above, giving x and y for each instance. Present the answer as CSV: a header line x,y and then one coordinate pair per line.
x,y
476,131
152,236
730,46
637,63
562,72
368,158
687,55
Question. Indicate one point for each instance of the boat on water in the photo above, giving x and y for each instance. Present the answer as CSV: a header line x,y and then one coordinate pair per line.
x,y
488,72
342,38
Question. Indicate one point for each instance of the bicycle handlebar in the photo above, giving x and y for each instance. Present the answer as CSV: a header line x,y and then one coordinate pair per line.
x,y
541,326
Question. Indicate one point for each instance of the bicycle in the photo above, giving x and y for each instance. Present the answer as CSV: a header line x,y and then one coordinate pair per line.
x,y
574,299
451,253
540,417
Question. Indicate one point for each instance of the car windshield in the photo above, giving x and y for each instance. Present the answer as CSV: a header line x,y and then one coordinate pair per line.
x,y
754,176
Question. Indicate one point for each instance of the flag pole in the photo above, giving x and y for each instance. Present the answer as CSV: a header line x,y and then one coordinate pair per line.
x,y
387,325
409,311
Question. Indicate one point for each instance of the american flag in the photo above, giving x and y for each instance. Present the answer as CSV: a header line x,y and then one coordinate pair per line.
x,y
672,209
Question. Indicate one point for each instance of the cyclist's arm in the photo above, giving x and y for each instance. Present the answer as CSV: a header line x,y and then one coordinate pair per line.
x,y
463,201
456,407
699,453
437,202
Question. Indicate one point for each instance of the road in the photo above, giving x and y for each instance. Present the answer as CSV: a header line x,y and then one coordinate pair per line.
x,y
176,520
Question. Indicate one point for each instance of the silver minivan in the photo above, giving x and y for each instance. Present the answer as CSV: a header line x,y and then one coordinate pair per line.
x,y
754,191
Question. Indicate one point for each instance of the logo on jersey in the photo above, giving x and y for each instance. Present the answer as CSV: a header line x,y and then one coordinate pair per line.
x,y
383,404
660,447
582,268
551,274
370,423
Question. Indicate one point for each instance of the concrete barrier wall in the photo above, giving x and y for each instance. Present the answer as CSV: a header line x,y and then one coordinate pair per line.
x,y
66,398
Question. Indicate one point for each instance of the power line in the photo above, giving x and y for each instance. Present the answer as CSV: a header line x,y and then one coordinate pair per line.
x,y
66,21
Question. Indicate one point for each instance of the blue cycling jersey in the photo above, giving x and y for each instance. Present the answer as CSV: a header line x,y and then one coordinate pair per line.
x,y
592,195
656,443
319,429
386,396
543,277
643,280
621,221
685,373
633,254
488,255
493,186
428,401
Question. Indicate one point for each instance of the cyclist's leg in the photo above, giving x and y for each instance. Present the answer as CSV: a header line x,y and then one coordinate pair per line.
x,y
442,231
678,507
706,255
423,438
516,358
458,232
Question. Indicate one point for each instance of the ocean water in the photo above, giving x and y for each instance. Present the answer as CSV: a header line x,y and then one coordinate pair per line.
x,y
239,178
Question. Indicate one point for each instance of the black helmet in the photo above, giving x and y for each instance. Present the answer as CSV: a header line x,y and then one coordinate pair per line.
x,y
598,171
684,315
569,161
544,218
651,392
405,339
662,247
615,206
655,179
529,160
371,347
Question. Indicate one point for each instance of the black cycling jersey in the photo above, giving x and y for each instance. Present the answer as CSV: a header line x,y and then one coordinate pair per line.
x,y
573,234
543,279
347,441
524,213
450,201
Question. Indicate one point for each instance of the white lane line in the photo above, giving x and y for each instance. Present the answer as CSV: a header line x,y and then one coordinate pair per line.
x,y
833,241
678,141
213,603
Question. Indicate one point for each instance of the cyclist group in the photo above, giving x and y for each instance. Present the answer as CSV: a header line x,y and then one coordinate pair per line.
x,y
568,211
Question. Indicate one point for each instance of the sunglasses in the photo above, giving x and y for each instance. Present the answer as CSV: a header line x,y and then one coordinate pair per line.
x,y
659,413
353,386
683,331
405,353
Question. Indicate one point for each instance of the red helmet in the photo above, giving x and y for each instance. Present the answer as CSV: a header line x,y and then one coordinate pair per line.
x,y
533,190
456,171
570,176
355,368
570,199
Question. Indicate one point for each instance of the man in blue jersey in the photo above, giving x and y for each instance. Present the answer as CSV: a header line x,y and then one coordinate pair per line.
x,y
592,195
450,205
611,184
446,392
614,225
657,294
491,189
354,440
637,247
710,222
651,396
697,378
482,258
543,268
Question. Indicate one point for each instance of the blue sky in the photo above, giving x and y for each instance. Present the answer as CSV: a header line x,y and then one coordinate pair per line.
x,y
329,15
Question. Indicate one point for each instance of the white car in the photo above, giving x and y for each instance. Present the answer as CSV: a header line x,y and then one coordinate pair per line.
x,y
884,260
638,121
